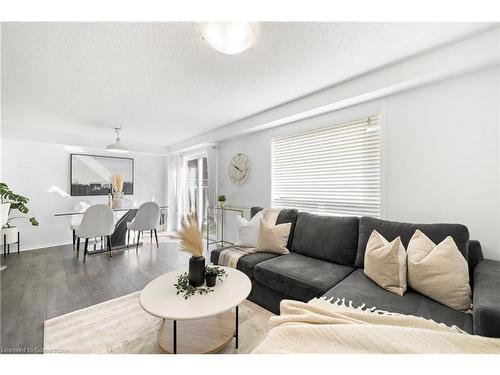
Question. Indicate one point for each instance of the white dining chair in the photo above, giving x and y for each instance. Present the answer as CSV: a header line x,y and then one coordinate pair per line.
x,y
147,218
77,219
98,221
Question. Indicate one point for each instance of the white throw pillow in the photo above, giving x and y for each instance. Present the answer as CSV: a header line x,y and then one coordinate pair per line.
x,y
248,231
439,271
385,263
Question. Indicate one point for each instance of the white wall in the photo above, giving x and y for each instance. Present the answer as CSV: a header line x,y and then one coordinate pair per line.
x,y
440,155
41,171
465,56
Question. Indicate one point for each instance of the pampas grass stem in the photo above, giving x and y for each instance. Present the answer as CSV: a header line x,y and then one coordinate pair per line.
x,y
117,182
190,236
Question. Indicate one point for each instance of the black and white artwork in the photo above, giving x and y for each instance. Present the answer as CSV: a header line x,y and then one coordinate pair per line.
x,y
91,174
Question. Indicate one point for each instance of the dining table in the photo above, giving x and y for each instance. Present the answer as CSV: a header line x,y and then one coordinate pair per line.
x,y
119,236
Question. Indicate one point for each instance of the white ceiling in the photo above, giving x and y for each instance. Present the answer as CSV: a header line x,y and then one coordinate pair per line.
x,y
164,84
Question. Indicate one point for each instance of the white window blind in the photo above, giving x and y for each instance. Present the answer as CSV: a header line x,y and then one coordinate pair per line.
x,y
333,170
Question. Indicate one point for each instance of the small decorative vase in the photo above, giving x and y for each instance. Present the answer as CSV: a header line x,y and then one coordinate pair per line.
x,y
196,271
210,280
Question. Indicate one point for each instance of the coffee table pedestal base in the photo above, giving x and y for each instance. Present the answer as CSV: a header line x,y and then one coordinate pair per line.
x,y
208,335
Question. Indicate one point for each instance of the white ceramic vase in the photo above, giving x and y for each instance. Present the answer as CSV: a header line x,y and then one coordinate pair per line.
x,y
4,214
10,235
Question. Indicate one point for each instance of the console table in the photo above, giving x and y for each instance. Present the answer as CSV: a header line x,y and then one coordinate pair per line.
x,y
222,210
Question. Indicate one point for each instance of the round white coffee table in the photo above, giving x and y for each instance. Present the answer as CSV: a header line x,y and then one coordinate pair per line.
x,y
205,322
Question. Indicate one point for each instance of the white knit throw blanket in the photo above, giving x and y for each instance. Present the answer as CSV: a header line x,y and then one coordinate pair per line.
x,y
229,257
322,327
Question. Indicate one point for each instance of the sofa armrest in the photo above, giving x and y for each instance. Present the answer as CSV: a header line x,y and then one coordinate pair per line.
x,y
486,298
475,256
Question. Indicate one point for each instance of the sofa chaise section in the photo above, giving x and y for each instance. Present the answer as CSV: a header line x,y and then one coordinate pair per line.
x,y
328,252
360,290
486,298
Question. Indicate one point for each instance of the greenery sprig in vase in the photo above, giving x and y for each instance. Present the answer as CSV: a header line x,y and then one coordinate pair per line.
x,y
187,290
212,273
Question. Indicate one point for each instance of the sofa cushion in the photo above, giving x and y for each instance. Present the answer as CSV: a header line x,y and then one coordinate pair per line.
x,y
359,289
246,263
286,215
392,229
330,238
299,276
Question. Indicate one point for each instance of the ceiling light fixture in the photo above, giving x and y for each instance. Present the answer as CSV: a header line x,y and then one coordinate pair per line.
x,y
230,38
117,147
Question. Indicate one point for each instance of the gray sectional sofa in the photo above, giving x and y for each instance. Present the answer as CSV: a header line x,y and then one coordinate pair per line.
x,y
327,257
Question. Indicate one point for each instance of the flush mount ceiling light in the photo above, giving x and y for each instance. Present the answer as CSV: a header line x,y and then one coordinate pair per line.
x,y
230,38
117,147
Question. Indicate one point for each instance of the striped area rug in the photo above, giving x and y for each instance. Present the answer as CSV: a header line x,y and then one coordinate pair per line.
x,y
121,326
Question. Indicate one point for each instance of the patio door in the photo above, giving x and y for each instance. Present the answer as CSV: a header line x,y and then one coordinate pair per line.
x,y
196,187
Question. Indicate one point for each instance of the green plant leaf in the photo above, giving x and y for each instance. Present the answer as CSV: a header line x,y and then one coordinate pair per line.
x,y
17,201
20,207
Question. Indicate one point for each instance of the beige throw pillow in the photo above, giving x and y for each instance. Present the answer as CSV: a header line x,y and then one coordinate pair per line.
x,y
273,238
439,271
385,263
271,214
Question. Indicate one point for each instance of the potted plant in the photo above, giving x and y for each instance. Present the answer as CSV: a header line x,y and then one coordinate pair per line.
x,y
11,201
210,276
221,199
192,241
213,273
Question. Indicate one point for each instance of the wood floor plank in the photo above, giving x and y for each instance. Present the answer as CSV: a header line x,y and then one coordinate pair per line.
x,y
45,283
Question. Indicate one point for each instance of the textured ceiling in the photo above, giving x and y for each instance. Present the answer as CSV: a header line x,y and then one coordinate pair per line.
x,y
163,84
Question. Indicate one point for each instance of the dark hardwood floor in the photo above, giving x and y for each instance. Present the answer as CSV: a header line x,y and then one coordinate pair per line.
x,y
45,283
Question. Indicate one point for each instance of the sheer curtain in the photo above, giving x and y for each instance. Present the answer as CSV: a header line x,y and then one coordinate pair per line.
x,y
212,170
211,153
175,190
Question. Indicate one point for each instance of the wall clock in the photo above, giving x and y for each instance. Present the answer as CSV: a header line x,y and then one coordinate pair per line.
x,y
239,168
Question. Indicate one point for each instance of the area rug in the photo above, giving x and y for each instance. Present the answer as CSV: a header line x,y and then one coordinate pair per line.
x,y
121,326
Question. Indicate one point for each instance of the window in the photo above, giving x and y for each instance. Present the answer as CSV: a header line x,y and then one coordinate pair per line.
x,y
333,170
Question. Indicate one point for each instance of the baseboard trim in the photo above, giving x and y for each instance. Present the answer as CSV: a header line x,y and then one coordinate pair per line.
x,y
40,246
52,244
